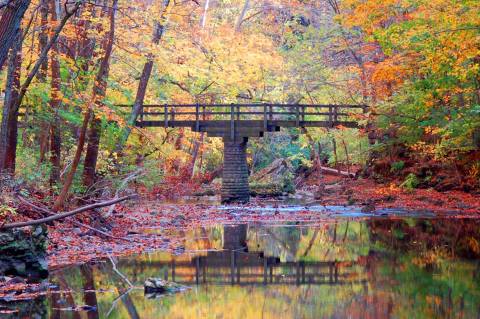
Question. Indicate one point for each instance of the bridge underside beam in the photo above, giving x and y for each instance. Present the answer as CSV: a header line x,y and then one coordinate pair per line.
x,y
235,171
204,126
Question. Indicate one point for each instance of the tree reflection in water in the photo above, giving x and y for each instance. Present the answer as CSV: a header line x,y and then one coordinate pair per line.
x,y
375,268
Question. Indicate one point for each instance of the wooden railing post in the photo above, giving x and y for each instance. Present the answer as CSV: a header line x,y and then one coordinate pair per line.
x,y
197,117
172,110
204,111
303,113
232,266
141,113
265,119
265,270
232,122
271,112
330,115
165,114
297,115
335,114
238,112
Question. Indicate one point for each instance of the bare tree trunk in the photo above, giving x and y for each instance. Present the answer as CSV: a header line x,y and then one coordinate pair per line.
x,y
98,93
205,12
9,125
10,26
238,25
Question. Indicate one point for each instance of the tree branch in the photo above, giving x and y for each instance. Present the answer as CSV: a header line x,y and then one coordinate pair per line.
x,y
67,214
46,49
76,223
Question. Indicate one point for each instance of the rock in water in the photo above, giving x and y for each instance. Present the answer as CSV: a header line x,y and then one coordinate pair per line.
x,y
155,286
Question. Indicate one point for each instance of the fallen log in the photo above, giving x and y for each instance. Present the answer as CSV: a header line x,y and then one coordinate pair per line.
x,y
336,172
67,214
76,223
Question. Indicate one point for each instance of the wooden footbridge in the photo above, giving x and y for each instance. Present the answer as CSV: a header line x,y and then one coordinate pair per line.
x,y
235,123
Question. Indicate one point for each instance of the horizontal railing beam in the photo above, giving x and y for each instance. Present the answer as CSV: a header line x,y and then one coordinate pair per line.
x,y
248,113
353,106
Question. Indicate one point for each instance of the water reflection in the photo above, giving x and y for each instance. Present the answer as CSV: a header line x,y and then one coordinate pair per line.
x,y
375,268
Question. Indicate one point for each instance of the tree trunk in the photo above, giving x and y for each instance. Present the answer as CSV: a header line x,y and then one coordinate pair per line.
x,y
196,151
9,125
144,79
42,76
13,109
347,156
334,143
55,137
205,12
91,157
10,26
238,25
315,158
76,160
43,38
99,87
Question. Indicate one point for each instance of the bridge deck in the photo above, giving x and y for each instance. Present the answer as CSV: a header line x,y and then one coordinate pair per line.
x,y
247,120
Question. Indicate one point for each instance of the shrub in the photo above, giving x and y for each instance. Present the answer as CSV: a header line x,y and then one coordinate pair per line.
x,y
411,182
396,167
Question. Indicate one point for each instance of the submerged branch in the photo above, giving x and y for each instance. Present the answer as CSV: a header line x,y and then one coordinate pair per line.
x,y
115,269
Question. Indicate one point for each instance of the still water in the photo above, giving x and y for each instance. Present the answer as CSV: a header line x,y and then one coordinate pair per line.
x,y
389,267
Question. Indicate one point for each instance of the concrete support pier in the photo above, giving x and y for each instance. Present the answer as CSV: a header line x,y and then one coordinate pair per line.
x,y
235,171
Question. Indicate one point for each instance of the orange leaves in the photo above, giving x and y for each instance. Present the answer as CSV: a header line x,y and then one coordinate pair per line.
x,y
388,75
371,15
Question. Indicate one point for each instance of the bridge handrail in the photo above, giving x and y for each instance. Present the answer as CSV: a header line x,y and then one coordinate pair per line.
x,y
351,106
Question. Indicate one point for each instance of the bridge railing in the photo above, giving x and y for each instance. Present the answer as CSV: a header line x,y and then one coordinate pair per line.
x,y
170,113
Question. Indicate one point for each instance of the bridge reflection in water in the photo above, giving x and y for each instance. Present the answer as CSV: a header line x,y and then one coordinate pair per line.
x,y
236,265
251,268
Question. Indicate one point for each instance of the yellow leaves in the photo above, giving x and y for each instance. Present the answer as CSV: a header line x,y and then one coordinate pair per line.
x,y
371,14
431,130
431,40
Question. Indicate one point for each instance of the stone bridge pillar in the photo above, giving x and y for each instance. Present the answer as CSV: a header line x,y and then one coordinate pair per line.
x,y
235,171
